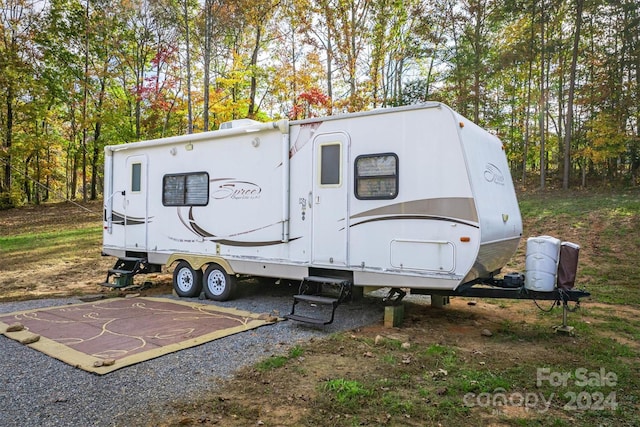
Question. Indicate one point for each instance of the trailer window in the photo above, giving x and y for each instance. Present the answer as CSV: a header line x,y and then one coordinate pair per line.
x,y
376,176
136,176
330,164
190,189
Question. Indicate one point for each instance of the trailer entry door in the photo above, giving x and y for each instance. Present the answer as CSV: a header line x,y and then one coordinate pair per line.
x,y
135,204
330,199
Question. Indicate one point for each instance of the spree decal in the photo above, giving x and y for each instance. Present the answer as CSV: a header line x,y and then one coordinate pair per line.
x,y
235,190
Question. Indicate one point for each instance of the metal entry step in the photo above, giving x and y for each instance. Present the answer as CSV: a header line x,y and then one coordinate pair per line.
x,y
313,294
121,275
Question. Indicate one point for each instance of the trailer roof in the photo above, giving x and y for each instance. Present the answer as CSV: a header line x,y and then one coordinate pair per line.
x,y
282,125
422,106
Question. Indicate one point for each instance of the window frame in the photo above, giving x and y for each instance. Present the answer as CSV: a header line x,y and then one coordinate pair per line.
x,y
185,189
357,178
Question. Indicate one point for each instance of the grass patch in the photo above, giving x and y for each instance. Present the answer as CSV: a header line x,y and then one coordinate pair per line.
x,y
50,247
472,380
275,362
29,242
346,392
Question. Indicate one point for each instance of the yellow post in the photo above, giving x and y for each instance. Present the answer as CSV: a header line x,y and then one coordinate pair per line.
x,y
393,315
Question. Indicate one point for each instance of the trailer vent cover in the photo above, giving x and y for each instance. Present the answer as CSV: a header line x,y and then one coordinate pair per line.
x,y
239,123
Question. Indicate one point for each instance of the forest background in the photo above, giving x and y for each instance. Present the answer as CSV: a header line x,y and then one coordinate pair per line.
x,y
557,80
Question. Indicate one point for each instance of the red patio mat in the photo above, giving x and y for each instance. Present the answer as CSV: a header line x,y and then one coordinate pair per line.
x,y
110,334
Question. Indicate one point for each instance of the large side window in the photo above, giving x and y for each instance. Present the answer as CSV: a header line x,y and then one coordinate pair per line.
x,y
190,189
376,176
330,164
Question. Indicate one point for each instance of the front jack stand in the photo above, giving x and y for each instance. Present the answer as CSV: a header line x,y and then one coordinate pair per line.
x,y
565,329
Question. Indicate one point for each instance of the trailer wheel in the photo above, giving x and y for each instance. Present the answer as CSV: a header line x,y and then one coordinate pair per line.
x,y
187,282
218,285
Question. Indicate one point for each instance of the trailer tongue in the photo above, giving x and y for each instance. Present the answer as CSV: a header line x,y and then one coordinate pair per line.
x,y
506,288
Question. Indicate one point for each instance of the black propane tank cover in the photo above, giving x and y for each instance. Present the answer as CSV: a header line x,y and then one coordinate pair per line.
x,y
567,265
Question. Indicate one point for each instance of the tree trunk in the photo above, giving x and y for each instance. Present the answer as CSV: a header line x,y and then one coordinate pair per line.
x,y
352,60
96,137
27,187
207,62
6,188
254,81
188,48
525,149
74,173
572,86
85,97
48,177
477,69
294,72
36,183
542,108
329,71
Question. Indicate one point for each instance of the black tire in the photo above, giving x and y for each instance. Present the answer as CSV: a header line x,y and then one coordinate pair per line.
x,y
218,285
187,282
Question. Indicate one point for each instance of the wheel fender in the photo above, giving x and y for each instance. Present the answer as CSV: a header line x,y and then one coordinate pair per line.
x,y
197,261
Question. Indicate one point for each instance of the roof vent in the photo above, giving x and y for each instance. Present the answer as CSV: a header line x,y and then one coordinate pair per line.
x,y
239,123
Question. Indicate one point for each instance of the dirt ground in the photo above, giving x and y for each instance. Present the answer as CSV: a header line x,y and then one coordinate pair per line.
x,y
287,398
290,397
68,271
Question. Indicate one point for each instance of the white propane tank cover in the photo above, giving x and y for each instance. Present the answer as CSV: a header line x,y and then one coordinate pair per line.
x,y
541,264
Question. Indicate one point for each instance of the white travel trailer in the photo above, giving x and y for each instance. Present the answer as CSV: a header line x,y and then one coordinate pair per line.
x,y
413,197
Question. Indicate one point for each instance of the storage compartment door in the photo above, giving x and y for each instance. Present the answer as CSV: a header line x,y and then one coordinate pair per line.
x,y
427,255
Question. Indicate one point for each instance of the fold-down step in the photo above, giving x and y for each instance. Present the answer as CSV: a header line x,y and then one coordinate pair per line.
x,y
311,294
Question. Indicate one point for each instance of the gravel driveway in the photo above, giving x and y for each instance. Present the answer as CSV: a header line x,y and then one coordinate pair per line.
x,y
37,390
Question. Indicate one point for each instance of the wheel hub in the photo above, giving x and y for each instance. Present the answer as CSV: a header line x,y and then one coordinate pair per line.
x,y
185,280
216,283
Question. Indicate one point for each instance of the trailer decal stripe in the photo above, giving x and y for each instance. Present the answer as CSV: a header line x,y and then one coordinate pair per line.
x,y
121,219
461,209
250,244
427,217
195,228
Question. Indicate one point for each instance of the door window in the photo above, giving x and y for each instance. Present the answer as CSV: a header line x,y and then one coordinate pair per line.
x,y
330,162
136,177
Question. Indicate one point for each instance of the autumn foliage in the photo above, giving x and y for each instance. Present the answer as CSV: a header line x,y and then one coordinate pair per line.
x,y
557,81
